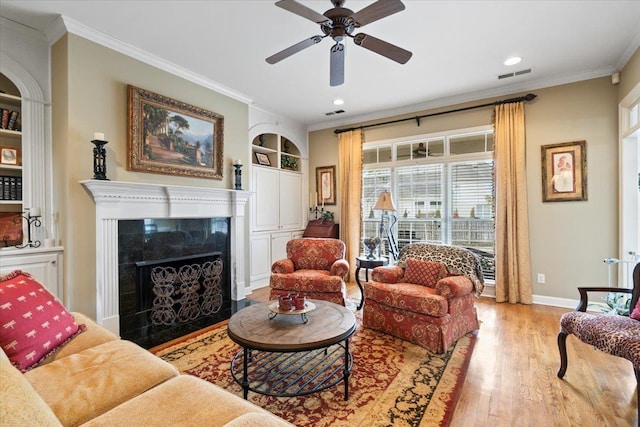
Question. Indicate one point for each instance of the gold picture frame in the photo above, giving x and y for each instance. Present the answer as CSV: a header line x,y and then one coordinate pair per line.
x,y
564,172
9,156
171,137
326,185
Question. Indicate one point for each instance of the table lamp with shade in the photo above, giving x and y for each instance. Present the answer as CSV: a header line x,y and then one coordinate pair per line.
x,y
385,203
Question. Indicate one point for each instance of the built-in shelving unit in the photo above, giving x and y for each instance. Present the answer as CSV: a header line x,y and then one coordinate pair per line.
x,y
277,209
276,151
10,147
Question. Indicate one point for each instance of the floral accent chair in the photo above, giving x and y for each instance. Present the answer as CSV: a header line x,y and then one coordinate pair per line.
x,y
613,334
314,268
428,297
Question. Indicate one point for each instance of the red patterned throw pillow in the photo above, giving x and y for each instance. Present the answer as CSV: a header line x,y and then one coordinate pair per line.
x,y
33,323
635,314
425,273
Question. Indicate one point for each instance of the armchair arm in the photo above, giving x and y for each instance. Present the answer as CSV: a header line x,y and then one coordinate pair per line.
x,y
339,268
387,274
584,296
454,286
283,266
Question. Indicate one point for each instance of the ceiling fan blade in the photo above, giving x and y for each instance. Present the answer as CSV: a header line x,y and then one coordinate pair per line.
x,y
283,54
382,47
377,10
336,63
302,10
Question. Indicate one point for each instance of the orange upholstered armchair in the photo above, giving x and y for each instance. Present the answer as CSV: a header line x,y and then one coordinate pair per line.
x,y
314,268
427,298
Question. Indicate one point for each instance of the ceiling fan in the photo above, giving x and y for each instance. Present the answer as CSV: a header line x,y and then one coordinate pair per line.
x,y
339,23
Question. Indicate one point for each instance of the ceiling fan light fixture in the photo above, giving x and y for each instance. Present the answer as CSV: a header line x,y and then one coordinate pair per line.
x,y
513,60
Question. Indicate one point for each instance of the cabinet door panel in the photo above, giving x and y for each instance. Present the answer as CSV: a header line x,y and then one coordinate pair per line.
x,y
260,255
265,199
44,267
279,245
290,200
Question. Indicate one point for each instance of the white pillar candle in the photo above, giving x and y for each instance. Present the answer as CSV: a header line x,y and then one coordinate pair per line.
x,y
237,162
35,212
98,136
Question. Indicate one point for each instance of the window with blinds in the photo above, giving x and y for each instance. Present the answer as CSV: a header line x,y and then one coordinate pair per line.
x,y
444,196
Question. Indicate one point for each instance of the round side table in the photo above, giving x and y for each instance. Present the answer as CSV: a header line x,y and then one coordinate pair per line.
x,y
367,264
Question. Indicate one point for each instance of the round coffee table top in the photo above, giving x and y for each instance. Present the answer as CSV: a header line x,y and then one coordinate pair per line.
x,y
328,324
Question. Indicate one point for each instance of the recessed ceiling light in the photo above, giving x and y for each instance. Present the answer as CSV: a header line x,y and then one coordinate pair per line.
x,y
513,60
338,101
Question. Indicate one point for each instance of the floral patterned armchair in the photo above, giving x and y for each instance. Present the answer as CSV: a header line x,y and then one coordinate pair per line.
x,y
314,268
427,298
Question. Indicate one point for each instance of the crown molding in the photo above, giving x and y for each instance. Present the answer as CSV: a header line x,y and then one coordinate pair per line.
x,y
461,99
628,53
65,24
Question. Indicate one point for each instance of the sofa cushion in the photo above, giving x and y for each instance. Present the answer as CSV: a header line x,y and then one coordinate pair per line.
x,y
185,401
307,281
34,323
407,296
635,314
425,273
20,405
314,254
93,335
84,385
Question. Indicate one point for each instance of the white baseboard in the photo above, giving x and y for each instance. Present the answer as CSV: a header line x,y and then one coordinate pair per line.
x,y
490,292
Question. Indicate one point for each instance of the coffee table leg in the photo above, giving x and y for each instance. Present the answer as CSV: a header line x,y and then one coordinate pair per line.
x,y
347,371
245,373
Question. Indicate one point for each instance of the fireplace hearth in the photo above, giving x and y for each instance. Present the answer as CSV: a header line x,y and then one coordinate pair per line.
x,y
118,201
173,277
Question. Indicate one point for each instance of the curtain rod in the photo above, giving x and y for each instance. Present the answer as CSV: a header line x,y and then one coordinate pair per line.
x,y
527,97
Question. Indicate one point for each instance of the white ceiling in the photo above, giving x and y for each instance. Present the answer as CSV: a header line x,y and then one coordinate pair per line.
x,y
458,48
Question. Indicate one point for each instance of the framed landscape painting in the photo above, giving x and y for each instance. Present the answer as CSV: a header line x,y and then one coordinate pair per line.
x,y
167,136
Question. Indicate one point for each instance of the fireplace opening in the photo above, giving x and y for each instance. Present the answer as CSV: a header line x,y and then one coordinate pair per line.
x,y
174,277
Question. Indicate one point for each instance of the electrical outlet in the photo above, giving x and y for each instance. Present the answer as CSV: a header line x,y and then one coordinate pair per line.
x,y
540,278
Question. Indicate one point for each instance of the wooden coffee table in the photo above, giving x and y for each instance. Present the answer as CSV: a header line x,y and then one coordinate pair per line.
x,y
285,357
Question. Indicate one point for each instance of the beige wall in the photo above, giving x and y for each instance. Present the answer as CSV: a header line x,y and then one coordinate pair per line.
x,y
90,95
569,240
630,75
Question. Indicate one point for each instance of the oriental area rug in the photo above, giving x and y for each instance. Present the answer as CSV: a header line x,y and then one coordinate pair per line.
x,y
392,383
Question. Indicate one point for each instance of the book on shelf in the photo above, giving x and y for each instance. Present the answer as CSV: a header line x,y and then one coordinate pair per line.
x,y
13,120
5,118
10,188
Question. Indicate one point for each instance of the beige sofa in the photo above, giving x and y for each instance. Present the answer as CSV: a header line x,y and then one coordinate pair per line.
x,y
97,379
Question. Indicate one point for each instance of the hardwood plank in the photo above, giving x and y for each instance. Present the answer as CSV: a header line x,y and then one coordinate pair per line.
x,y
512,377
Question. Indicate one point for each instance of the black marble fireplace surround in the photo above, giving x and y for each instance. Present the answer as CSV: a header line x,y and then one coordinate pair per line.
x,y
190,263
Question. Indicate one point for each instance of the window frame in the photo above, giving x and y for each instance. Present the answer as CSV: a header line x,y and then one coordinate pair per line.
x,y
447,160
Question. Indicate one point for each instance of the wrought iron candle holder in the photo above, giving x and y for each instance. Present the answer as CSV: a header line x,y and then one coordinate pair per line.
x,y
316,212
238,175
32,220
99,160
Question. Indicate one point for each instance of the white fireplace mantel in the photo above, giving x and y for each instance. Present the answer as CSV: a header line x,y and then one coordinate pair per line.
x,y
116,200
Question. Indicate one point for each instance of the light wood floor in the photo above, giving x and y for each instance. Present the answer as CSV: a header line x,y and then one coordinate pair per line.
x,y
512,379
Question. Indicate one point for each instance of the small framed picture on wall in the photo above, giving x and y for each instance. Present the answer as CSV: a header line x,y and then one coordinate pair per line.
x,y
564,172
